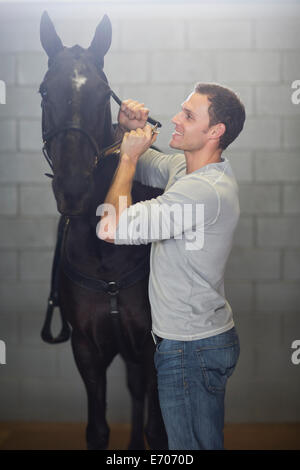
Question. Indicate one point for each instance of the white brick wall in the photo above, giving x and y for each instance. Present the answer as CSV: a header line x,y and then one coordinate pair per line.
x,y
278,297
242,164
23,167
8,68
144,35
253,264
260,133
292,265
212,34
278,34
7,135
30,135
21,102
291,138
277,166
8,265
25,233
36,265
24,297
275,100
240,295
259,199
291,63
129,72
291,199
8,200
278,231
193,67
163,100
244,234
31,68
248,66
37,200
157,55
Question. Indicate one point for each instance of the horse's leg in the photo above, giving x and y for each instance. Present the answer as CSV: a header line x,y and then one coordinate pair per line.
x,y
136,382
92,367
155,429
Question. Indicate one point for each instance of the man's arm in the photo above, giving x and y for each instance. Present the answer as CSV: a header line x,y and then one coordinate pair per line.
x,y
118,197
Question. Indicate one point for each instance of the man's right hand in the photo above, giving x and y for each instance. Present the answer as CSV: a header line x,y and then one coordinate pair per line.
x,y
132,115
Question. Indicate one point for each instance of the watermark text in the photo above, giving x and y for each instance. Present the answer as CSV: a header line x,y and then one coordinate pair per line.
x,y
296,354
153,222
296,94
2,92
2,352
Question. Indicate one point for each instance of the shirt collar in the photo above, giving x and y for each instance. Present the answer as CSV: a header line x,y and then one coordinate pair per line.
x,y
218,166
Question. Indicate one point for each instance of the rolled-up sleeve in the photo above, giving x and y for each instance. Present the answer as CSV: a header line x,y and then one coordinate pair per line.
x,y
190,203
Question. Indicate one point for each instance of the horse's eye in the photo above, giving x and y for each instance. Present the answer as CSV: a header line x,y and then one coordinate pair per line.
x,y
43,92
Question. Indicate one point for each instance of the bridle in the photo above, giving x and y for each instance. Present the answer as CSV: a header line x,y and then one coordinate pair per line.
x,y
99,153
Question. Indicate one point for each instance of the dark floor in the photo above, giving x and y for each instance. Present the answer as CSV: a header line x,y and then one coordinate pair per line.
x,y
70,436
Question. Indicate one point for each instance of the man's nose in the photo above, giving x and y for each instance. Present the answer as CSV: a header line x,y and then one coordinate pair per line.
x,y
175,119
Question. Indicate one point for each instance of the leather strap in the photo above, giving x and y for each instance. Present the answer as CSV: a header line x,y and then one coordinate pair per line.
x,y
53,300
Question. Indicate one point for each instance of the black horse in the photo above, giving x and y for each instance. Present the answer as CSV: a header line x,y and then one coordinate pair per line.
x,y
76,123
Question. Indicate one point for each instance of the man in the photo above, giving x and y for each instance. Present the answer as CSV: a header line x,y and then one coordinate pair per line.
x,y
197,346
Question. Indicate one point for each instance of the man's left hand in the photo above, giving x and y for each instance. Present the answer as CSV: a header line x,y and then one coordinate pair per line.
x,y
136,142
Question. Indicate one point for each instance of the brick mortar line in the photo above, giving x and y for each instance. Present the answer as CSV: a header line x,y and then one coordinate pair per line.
x,y
281,264
281,206
255,231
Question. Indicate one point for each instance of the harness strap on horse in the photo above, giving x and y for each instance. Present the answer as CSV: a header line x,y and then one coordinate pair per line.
x,y
112,288
53,300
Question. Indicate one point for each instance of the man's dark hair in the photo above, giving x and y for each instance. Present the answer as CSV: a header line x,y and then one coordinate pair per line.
x,y
225,107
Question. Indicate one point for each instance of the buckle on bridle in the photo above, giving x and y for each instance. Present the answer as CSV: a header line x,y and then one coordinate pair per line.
x,y
113,288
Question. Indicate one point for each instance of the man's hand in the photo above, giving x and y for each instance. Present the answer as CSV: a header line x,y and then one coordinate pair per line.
x,y
132,115
135,143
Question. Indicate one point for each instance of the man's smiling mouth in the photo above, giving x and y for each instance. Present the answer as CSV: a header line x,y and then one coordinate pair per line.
x,y
177,133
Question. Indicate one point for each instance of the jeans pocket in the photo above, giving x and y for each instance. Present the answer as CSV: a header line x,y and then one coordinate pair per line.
x,y
169,346
167,355
217,364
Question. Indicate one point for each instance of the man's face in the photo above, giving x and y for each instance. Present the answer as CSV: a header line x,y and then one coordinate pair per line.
x,y
191,124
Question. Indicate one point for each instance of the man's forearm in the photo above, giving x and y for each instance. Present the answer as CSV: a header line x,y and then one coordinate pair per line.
x,y
121,186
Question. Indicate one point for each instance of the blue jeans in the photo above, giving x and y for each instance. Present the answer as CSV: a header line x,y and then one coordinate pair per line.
x,y
192,377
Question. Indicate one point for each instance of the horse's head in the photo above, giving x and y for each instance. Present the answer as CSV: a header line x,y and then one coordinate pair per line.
x,y
75,93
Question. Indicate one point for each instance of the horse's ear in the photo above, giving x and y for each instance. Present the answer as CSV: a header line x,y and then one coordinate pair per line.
x,y
49,38
102,38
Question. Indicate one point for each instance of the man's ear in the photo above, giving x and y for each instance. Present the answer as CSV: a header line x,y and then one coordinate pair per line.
x,y
218,130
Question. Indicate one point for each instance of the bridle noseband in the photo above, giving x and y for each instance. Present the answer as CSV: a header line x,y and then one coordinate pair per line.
x,y
48,136
114,148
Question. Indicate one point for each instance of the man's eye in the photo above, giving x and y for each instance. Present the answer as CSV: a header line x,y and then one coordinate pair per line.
x,y
189,116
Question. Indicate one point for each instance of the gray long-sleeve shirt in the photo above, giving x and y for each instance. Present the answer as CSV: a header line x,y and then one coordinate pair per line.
x,y
191,227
